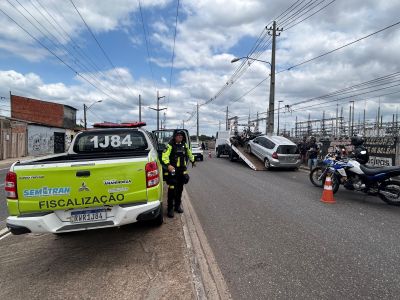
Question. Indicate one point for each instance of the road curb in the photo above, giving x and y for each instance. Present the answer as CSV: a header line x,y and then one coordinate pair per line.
x,y
209,282
4,232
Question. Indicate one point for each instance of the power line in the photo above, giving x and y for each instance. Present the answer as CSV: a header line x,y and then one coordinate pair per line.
x,y
319,56
309,16
77,63
55,55
341,47
147,44
101,48
173,53
67,37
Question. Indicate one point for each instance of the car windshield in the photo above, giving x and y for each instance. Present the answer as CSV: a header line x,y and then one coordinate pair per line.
x,y
287,149
195,145
110,141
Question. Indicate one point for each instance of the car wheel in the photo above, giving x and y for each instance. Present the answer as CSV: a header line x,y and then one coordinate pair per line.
x,y
248,149
218,152
267,164
201,158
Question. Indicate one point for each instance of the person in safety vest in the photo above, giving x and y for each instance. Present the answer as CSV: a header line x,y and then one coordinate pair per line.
x,y
175,157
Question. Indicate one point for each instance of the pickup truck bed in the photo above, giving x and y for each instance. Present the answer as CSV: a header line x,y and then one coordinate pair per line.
x,y
79,191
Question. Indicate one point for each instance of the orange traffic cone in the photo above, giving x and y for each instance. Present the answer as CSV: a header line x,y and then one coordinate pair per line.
x,y
327,195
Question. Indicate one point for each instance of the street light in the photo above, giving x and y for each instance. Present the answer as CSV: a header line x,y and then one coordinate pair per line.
x,y
279,110
86,108
271,106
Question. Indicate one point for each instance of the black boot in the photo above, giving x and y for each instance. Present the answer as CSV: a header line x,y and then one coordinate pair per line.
x,y
170,213
179,209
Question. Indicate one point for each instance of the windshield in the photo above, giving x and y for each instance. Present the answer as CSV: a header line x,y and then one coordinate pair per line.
x,y
195,145
110,141
288,149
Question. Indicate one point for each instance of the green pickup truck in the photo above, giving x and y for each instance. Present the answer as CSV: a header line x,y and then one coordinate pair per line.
x,y
109,177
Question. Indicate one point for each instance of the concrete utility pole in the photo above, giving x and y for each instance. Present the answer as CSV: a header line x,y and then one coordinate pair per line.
x,y
227,117
271,108
352,120
183,124
84,116
350,131
140,108
158,109
197,132
257,123
279,110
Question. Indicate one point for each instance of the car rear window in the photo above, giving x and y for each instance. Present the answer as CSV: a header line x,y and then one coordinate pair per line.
x,y
110,141
287,149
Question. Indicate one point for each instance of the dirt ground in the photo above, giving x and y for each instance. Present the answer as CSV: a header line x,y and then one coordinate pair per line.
x,y
132,262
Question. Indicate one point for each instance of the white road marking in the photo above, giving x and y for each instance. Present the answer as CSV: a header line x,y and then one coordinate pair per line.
x,y
5,169
4,236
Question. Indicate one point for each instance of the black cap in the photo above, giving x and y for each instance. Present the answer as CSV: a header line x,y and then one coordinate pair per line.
x,y
179,132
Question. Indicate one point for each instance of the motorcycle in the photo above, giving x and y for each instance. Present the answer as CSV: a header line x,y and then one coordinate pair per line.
x,y
359,177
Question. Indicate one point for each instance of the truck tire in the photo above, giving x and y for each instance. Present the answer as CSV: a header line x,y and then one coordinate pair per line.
x,y
159,220
231,155
219,152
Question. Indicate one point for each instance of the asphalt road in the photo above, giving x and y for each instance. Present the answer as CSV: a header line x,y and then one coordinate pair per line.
x,y
273,238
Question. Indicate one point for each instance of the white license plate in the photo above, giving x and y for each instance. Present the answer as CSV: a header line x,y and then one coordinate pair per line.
x,y
84,216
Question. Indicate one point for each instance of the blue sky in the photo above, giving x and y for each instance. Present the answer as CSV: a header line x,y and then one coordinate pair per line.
x,y
209,35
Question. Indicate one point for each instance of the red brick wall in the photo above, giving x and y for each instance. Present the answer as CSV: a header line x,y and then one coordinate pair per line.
x,y
37,111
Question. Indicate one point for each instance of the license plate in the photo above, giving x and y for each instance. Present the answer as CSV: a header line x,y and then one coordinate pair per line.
x,y
84,216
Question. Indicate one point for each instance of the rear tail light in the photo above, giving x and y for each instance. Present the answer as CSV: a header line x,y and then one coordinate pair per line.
x,y
11,185
152,174
275,155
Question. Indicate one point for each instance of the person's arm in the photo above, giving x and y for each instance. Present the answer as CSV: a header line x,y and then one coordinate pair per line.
x,y
189,153
165,157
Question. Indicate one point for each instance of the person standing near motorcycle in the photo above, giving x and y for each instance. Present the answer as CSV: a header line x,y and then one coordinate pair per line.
x,y
312,151
175,157
303,150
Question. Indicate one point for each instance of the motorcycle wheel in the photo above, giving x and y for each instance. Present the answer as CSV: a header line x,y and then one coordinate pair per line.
x,y
389,192
315,174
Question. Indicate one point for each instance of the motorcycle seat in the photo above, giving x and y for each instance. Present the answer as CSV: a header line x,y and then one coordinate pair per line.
x,y
372,171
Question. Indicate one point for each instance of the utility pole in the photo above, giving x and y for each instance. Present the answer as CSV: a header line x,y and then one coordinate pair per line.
x,y
219,125
84,115
197,121
352,120
257,123
183,124
271,108
279,110
158,109
227,116
350,132
295,128
140,108
337,119
364,123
